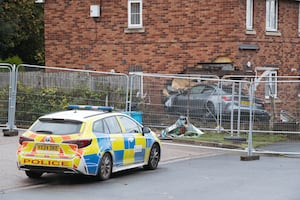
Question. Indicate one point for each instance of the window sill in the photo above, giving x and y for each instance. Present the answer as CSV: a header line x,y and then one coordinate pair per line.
x,y
134,30
273,33
250,32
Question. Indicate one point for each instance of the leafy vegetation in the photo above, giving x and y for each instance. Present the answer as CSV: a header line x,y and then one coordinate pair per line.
x,y
31,103
22,31
3,105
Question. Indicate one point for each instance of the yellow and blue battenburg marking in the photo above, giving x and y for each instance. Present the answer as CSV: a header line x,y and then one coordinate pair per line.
x,y
64,151
125,149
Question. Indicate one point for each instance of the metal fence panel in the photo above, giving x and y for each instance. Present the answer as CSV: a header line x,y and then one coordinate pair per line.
x,y
251,111
243,116
5,74
281,95
42,89
163,98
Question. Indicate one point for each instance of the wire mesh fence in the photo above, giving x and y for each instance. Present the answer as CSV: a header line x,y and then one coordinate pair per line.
x,y
282,101
225,109
208,102
5,74
232,110
41,90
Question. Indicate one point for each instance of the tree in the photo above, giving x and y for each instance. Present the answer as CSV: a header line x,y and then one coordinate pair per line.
x,y
22,30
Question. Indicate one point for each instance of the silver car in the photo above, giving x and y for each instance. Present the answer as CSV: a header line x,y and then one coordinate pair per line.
x,y
208,100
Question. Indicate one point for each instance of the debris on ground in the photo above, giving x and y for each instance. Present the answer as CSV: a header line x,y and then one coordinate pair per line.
x,y
182,128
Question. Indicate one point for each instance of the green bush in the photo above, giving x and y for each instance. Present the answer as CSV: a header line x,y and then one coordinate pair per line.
x,y
4,105
34,102
12,60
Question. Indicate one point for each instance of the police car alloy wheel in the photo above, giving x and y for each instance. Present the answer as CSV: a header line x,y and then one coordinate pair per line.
x,y
105,167
154,157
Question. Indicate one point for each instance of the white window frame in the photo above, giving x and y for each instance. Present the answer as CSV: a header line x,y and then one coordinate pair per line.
x,y
271,15
249,15
271,85
139,14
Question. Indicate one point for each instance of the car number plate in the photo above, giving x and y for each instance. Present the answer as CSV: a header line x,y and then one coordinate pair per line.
x,y
245,103
47,147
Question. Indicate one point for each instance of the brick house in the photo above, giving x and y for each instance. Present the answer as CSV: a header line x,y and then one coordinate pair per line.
x,y
173,36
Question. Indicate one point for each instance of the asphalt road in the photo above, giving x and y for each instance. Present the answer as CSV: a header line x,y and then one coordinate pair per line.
x,y
11,178
185,172
210,178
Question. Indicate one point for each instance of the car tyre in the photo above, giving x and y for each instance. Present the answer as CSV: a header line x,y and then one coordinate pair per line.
x,y
154,157
105,167
33,175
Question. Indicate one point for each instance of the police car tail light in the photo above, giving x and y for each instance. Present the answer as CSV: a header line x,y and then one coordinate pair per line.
x,y
80,143
25,139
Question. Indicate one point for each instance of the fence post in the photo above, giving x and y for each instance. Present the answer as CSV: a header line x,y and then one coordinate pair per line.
x,y
250,144
250,155
11,130
129,102
9,68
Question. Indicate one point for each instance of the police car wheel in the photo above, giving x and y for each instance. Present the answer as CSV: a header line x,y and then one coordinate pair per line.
x,y
32,174
154,157
105,167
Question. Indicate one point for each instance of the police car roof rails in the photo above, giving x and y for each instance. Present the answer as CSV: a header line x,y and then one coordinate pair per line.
x,y
89,107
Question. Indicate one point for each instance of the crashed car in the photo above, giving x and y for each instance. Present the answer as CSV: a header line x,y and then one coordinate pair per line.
x,y
207,100
88,142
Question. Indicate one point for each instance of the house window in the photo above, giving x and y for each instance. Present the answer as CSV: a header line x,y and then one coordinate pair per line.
x,y
135,14
271,15
271,85
249,15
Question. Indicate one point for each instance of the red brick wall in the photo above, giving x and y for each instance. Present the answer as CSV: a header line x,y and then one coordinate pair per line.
x,y
177,34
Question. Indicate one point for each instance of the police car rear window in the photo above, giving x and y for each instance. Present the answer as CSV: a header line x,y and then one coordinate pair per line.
x,y
56,126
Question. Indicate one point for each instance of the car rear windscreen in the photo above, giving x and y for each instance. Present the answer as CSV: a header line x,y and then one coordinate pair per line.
x,y
56,126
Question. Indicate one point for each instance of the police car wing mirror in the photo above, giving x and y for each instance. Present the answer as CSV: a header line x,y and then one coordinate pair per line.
x,y
146,130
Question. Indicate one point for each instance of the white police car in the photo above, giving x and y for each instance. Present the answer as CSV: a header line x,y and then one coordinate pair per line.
x,y
89,142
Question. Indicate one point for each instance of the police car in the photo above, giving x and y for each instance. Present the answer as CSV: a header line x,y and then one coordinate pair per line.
x,y
89,142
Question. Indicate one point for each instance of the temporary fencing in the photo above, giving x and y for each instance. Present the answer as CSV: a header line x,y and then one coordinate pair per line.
x,y
251,111
245,110
42,89
5,92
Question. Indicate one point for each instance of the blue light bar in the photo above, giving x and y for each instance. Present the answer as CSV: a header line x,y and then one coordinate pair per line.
x,y
88,107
